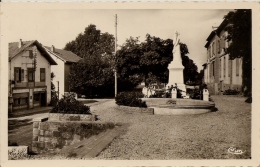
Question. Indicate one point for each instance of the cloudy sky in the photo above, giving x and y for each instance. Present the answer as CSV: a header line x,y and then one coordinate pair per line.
x,y
59,26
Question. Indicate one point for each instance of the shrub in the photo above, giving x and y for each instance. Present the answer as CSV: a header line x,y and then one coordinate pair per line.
x,y
195,94
11,143
131,99
69,105
231,92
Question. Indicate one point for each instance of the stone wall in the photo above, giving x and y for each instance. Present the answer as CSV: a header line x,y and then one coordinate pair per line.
x,y
15,152
52,135
71,117
136,109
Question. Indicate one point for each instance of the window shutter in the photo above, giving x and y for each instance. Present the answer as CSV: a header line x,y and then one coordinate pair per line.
x,y
16,74
22,74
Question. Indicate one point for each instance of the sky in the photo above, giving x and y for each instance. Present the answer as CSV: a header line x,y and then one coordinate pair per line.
x,y
59,26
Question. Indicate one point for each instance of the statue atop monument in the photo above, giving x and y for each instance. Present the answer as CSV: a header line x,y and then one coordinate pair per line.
x,y
177,60
176,67
177,40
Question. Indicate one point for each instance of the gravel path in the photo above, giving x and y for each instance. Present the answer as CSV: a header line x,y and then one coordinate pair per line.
x,y
151,137
204,136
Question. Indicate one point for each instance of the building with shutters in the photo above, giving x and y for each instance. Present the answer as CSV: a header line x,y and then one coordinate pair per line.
x,y
64,59
29,75
221,73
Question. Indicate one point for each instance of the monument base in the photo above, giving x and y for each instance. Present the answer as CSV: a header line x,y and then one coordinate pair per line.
x,y
180,86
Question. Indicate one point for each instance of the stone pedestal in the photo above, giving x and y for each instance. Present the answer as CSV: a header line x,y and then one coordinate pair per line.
x,y
205,95
174,93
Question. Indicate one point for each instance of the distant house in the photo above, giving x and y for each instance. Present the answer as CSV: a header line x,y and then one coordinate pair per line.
x,y
221,73
64,60
29,75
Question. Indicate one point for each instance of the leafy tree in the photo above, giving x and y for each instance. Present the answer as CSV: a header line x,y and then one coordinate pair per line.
x,y
93,75
157,54
240,37
144,61
91,43
190,69
148,61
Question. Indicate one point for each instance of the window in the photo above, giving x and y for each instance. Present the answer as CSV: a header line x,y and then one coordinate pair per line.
x,y
213,64
229,67
30,74
223,42
213,49
20,101
36,97
18,74
220,70
209,52
218,46
237,66
224,66
42,74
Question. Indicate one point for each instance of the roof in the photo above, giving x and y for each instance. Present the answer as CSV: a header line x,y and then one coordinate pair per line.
x,y
14,50
67,56
211,35
221,27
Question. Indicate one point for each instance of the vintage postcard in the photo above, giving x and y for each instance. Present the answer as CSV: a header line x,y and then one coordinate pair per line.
x,y
130,84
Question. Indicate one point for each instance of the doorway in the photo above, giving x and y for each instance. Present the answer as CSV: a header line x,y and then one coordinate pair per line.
x,y
221,86
43,99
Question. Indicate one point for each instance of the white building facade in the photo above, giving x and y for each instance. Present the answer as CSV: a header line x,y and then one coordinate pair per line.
x,y
64,60
221,73
29,75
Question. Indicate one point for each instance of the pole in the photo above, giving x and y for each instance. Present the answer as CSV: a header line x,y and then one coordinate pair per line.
x,y
115,53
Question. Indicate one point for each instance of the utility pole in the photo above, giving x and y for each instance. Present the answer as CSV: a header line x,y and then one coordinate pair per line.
x,y
115,54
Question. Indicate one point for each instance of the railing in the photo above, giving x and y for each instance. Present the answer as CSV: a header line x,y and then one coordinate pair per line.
x,y
29,84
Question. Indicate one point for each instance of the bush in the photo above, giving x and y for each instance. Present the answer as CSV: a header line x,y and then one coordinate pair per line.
x,y
11,143
54,99
69,105
195,94
231,92
131,99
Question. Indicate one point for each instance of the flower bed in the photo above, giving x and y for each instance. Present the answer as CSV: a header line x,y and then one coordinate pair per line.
x,y
69,105
132,99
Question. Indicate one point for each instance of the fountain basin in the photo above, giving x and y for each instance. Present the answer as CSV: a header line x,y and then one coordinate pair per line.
x,y
168,106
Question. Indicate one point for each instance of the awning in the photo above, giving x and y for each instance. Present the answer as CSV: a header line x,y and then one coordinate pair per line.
x,y
20,95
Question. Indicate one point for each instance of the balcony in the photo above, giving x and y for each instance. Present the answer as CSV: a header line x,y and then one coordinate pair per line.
x,y
29,84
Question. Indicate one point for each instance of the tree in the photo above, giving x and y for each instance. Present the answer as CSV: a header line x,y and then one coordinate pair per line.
x,y
190,70
92,42
148,61
240,38
144,61
93,75
157,54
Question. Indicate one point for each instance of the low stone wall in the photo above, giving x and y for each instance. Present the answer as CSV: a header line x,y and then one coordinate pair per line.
x,y
52,135
136,109
17,151
71,117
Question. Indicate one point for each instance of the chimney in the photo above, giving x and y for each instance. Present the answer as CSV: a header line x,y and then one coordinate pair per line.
x,y
20,43
52,48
